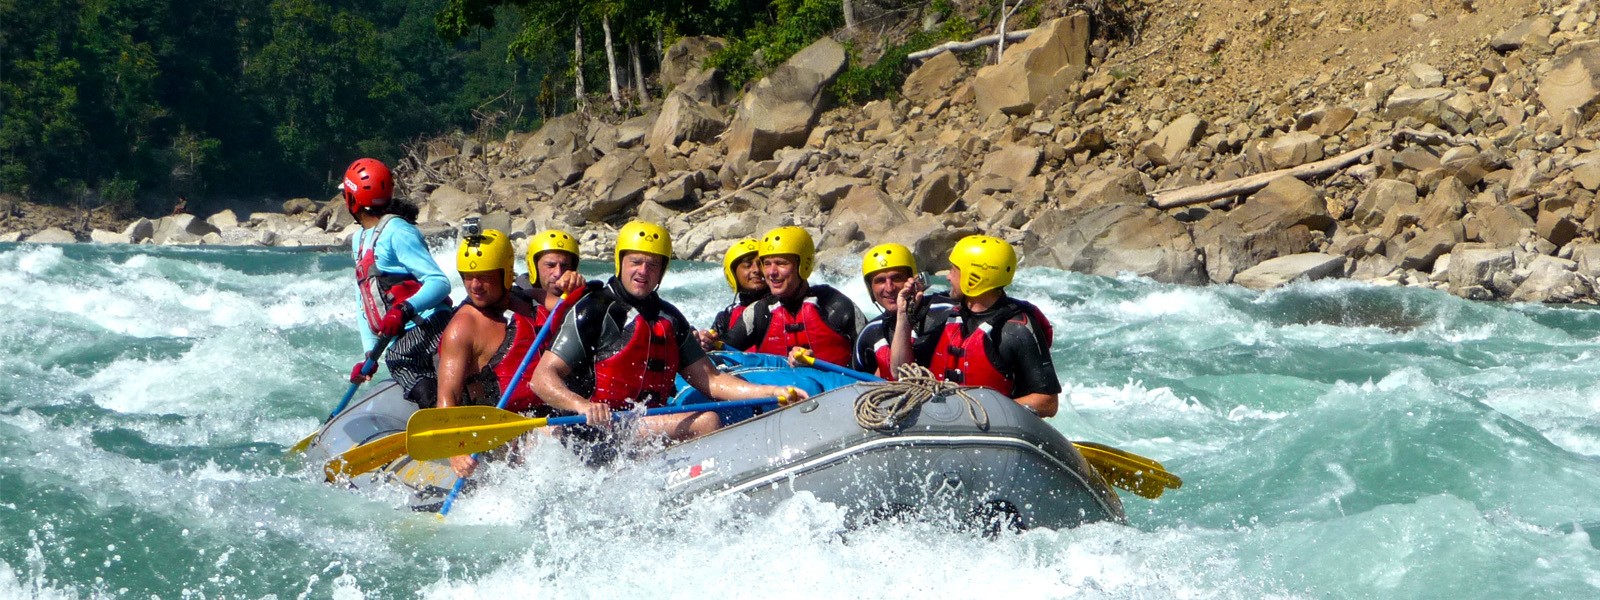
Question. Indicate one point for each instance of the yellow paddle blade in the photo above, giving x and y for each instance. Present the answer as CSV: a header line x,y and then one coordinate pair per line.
x,y
1129,471
366,457
304,443
444,432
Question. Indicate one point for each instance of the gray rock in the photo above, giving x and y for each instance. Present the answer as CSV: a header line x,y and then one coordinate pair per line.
x,y
682,119
1476,266
298,205
1012,162
1052,58
1419,253
615,182
53,235
830,188
449,205
224,219
871,209
1423,104
1551,279
1423,75
10,237
1557,226
1118,238
181,229
1116,187
101,236
1274,272
937,193
1573,81
1533,31
930,241
632,132
563,169
560,136
1280,220
783,107
931,80
687,56
1294,149
141,229
1382,198
1176,137
1503,225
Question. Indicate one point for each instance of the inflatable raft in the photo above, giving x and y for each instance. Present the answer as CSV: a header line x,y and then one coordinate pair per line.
x,y
970,457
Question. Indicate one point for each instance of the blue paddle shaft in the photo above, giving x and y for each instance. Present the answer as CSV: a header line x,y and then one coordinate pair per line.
x,y
851,373
367,368
516,379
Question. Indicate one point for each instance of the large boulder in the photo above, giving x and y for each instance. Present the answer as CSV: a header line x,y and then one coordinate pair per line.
x,y
1015,163
1481,271
180,229
1117,238
1286,217
615,182
1173,139
1115,187
1284,269
1383,197
101,236
1503,225
782,108
52,235
1054,56
450,205
1421,251
931,80
1573,82
682,119
870,209
563,169
686,56
141,229
1551,279
930,241
560,136
937,193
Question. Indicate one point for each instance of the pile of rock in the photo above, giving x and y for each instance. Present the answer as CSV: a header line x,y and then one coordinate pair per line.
x,y
1477,176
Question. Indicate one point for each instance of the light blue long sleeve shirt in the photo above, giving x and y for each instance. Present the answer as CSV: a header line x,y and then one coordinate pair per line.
x,y
400,249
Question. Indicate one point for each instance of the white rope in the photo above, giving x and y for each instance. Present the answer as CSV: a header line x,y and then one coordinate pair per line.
x,y
886,405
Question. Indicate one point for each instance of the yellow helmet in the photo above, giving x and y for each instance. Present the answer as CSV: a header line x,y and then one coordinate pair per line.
x,y
883,257
986,263
639,236
487,251
791,240
740,249
546,241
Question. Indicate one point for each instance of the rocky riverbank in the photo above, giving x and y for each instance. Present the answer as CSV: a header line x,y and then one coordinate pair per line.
x,y
1442,144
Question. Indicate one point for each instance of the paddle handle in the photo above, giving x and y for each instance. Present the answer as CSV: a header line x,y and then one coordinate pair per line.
x,y
823,365
516,379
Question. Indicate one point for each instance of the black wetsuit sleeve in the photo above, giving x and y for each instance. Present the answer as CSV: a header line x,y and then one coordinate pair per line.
x,y
865,358
1022,353
719,323
743,334
689,349
842,315
568,343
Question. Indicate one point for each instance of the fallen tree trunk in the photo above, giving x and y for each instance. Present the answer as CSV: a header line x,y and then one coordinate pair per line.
x,y
1207,192
968,45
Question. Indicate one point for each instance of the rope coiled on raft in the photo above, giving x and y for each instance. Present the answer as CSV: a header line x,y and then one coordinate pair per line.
x,y
890,403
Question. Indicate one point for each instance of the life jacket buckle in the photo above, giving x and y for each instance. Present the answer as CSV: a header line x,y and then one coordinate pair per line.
x,y
655,364
954,376
794,327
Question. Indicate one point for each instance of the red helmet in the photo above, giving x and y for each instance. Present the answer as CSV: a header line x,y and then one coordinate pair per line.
x,y
367,183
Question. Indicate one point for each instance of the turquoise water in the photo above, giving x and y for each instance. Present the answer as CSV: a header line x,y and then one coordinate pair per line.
x,y
1336,440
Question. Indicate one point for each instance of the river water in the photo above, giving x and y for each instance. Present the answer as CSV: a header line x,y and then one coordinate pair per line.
x,y
1336,440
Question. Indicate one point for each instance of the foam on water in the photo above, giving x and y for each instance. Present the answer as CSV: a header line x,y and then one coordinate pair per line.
x,y
1336,440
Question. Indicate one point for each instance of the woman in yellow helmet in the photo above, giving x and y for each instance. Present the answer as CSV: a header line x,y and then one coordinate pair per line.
x,y
992,340
739,267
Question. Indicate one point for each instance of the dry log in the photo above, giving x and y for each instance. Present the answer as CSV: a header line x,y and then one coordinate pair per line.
x,y
968,45
1207,192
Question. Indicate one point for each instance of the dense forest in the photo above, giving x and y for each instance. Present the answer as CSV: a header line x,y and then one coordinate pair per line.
x,y
117,102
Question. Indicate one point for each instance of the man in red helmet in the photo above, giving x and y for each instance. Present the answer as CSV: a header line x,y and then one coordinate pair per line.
x,y
404,296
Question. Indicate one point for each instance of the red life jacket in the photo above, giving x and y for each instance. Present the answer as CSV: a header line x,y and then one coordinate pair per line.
x,y
523,331
966,360
736,311
643,370
807,330
379,291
